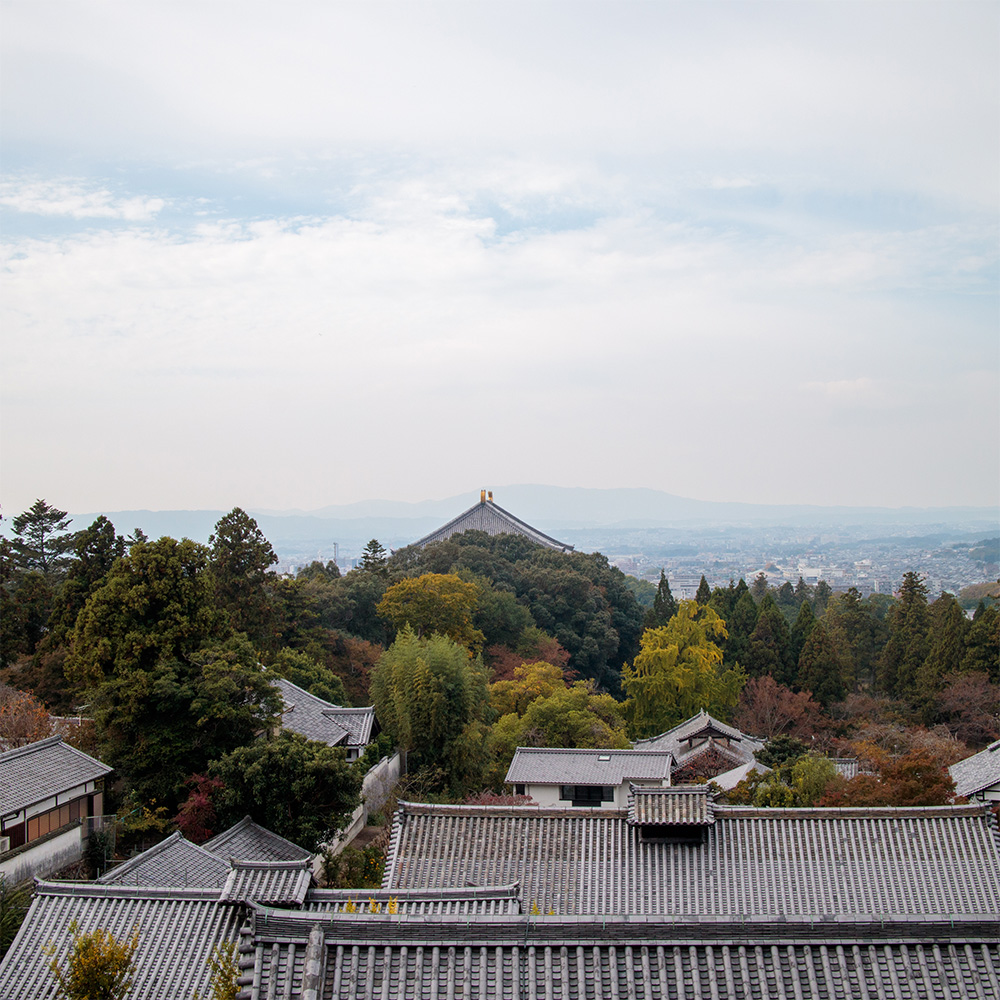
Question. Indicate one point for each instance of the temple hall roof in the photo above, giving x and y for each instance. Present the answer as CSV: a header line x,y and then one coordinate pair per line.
x,y
758,862
491,518
323,721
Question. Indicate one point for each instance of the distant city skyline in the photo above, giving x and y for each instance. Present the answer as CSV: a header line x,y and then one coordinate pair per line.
x,y
731,251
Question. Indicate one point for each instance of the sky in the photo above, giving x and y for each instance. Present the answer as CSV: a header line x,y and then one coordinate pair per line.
x,y
287,255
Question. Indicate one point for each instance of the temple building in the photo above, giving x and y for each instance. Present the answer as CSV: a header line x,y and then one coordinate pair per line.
x,y
494,520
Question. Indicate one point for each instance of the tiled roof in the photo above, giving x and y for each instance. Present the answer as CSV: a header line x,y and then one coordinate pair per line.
x,y
248,841
686,806
276,883
173,862
321,720
977,772
462,901
700,726
494,520
395,957
758,862
40,770
537,765
178,929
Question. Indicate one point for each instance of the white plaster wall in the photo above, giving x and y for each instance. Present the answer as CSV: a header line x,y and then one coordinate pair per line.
x,y
45,858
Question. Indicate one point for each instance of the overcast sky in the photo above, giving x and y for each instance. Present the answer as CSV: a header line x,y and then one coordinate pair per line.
x,y
286,255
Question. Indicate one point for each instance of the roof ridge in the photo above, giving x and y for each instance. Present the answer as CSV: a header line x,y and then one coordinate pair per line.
x,y
37,745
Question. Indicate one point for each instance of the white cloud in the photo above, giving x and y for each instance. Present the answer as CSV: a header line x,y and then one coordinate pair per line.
x,y
321,357
75,199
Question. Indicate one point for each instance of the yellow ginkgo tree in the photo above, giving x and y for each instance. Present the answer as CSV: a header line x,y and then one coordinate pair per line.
x,y
678,671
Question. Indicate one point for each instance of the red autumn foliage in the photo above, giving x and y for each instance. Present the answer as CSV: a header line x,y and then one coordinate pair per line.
x,y
23,719
504,661
768,709
917,778
197,819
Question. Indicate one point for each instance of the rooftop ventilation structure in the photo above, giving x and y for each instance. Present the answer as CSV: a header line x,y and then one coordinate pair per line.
x,y
679,815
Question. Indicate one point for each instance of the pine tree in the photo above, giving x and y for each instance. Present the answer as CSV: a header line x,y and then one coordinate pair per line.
x,y
40,541
704,593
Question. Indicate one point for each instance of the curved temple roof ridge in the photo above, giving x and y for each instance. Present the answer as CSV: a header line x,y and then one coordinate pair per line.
x,y
492,519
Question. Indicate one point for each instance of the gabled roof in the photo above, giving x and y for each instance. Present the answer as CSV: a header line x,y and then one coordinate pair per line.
x,y
274,883
172,862
177,928
40,770
686,805
248,841
542,765
757,862
733,754
978,772
494,520
321,720
701,726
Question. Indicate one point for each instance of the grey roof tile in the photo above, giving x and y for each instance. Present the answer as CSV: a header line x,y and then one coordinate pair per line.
x,y
178,929
40,770
276,883
323,721
248,841
762,862
493,520
543,765
685,805
392,957
978,772
173,862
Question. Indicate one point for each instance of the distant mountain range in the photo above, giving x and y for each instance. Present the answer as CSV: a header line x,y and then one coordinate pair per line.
x,y
577,512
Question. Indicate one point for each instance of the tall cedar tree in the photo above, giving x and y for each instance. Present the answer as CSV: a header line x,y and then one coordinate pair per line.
x,y
241,559
949,628
908,645
704,592
664,605
824,668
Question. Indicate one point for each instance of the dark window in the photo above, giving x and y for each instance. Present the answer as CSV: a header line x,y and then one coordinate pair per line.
x,y
587,795
519,789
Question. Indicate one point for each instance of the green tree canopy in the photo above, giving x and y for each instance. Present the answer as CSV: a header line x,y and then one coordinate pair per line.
x,y
303,670
156,603
679,671
298,788
158,725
